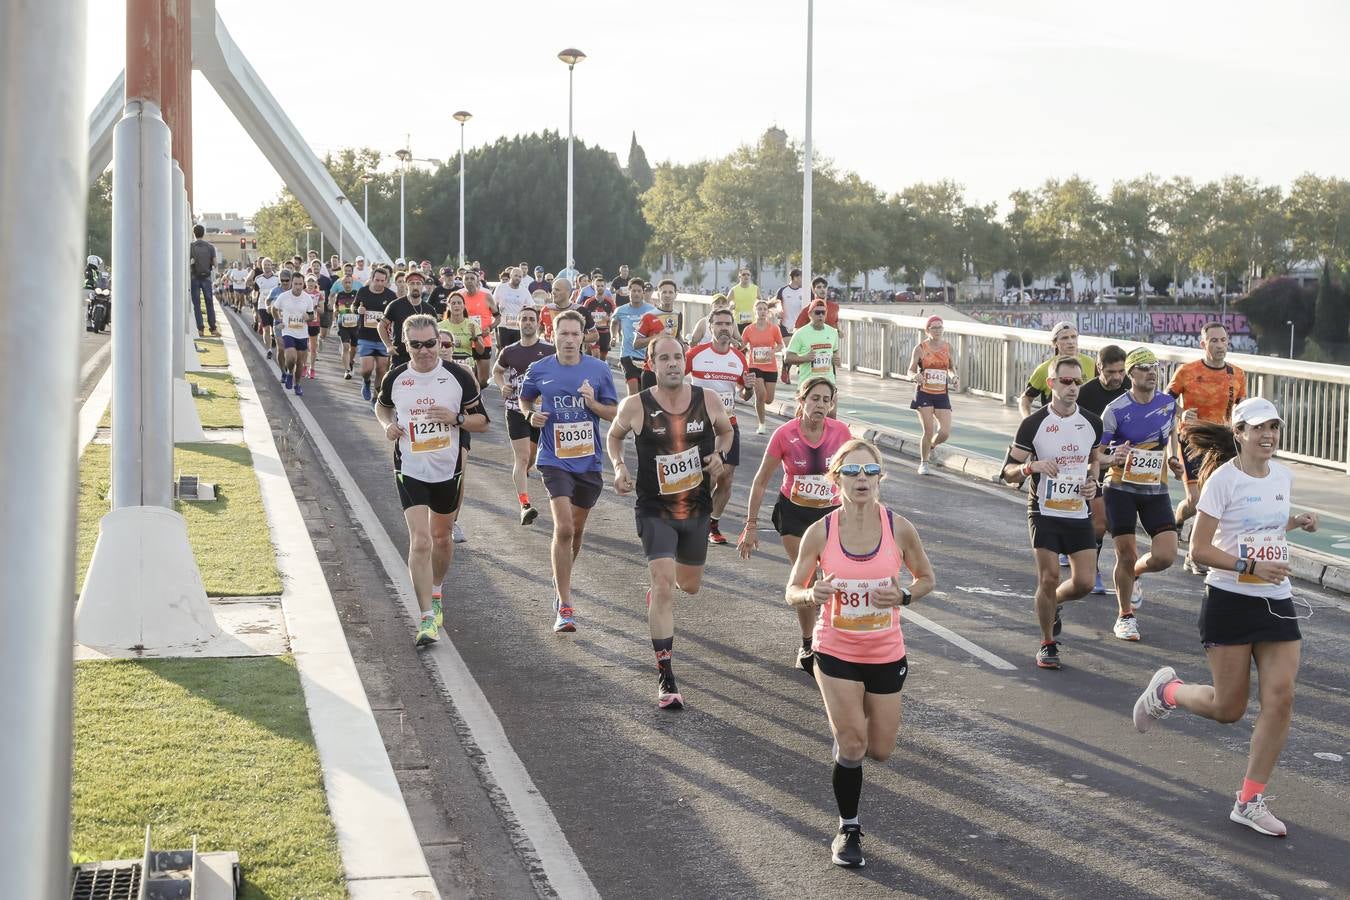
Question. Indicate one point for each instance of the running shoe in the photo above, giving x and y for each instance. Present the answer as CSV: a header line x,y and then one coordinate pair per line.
x,y
806,661
1048,656
1127,628
347,376
457,534
715,535
923,468
564,622
761,428
1195,568
1137,598
669,700
528,514
365,391
437,610
298,392
1150,707
1097,586
846,851
426,631
1059,624
1063,561
1257,817
286,380
269,354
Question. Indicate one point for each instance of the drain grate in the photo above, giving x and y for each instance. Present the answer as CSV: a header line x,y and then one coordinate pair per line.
x,y
118,880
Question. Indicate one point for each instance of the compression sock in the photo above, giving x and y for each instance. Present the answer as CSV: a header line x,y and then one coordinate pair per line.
x,y
1249,790
1169,693
524,499
847,781
663,647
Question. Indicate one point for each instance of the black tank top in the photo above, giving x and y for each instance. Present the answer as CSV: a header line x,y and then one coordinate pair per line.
x,y
671,482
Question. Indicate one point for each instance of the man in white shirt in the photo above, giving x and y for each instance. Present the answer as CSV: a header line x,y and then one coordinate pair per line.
x,y
787,303
510,298
293,310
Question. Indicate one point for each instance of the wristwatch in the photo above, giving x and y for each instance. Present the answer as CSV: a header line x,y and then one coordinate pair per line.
x,y
905,596
1244,566
459,420
721,454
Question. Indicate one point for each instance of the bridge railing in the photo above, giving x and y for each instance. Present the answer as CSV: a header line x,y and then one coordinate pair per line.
x,y
994,361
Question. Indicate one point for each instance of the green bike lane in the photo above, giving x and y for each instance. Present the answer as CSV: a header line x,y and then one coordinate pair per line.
x,y
984,427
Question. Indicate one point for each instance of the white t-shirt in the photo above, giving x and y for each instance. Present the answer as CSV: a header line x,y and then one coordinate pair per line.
x,y
238,278
266,284
292,313
510,301
791,298
1252,514
429,451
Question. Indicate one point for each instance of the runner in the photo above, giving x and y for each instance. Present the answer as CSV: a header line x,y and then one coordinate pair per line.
x,y
803,449
465,339
508,373
787,303
1206,389
371,302
933,366
814,348
743,295
1095,394
700,332
763,340
267,283
413,303
479,306
1137,430
720,368
425,405
664,321
849,566
566,395
508,300
1248,614
1057,447
682,435
820,291
628,316
1064,342
601,309
293,310
560,299
344,304
238,286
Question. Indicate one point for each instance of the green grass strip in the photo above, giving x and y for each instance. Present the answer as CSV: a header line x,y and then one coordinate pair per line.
x,y
229,535
217,404
219,748
215,352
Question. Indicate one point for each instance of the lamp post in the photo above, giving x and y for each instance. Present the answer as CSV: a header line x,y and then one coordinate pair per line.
x,y
308,229
806,158
461,117
571,56
403,156
366,179
1290,323
341,256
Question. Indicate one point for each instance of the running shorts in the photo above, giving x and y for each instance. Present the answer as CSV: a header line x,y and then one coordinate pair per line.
x,y
294,343
1058,535
442,497
1227,618
876,678
582,488
791,519
518,426
631,370
371,348
347,335
683,540
936,401
1125,508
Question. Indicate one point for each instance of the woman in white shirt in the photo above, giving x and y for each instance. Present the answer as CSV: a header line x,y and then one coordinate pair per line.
x,y
1248,613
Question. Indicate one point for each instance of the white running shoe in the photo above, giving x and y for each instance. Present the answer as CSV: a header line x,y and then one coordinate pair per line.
x,y
1137,598
1063,561
923,468
1150,707
761,428
1256,816
457,534
1127,629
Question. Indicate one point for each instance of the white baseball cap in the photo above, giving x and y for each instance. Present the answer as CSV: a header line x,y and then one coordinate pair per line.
x,y
1254,411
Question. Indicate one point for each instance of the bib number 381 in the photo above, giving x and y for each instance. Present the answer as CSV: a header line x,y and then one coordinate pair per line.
x,y
853,609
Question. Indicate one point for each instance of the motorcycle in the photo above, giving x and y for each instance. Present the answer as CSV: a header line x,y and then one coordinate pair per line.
x,y
98,311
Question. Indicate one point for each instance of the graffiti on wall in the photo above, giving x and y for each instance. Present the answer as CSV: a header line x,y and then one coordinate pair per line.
x,y
1175,329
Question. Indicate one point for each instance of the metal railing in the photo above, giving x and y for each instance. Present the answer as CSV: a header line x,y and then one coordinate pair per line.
x,y
994,361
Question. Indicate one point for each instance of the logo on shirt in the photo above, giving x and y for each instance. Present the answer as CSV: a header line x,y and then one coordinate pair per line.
x,y
1051,429
407,382
695,427
1279,498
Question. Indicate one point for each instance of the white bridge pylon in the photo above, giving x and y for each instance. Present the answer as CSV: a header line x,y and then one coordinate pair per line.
x,y
218,57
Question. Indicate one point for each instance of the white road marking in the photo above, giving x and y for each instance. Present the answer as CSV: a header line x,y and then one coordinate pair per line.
x,y
947,634
94,362
91,411
562,869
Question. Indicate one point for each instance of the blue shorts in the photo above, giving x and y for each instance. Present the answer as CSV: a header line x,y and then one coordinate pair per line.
x,y
936,401
371,348
295,343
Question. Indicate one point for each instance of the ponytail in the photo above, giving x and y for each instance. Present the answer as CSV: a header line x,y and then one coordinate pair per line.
x,y
1214,443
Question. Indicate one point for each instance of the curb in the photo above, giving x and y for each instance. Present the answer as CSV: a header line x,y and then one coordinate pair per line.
x,y
380,851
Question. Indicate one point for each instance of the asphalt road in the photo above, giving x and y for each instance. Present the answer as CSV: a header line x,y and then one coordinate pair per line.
x,y
1004,783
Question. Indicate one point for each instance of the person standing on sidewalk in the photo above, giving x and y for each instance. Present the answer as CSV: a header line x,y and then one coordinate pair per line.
x,y
933,366
424,405
1248,613
202,264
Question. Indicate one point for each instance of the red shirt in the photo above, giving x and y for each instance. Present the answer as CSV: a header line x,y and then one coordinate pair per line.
x,y
831,315
655,323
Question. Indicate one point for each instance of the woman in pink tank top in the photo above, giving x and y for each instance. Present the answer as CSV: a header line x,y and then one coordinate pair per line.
x,y
859,550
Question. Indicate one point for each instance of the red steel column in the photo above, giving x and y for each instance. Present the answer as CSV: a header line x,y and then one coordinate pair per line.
x,y
144,24
185,15
171,60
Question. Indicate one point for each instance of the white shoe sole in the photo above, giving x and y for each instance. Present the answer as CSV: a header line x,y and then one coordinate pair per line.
x,y
1235,816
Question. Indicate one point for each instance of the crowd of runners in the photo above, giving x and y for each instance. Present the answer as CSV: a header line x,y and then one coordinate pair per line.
x,y
1100,441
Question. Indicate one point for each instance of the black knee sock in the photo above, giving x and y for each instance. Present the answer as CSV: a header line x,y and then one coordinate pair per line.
x,y
847,788
663,647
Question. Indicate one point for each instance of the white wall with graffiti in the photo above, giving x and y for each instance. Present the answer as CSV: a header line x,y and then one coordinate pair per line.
x,y
1171,327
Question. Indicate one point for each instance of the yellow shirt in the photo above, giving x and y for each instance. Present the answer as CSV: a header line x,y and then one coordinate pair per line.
x,y
743,300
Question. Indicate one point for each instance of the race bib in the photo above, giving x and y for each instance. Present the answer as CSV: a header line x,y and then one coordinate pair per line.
x,y
477,320
573,440
1143,467
821,360
935,379
728,399
668,323
296,322
744,318
812,490
601,318
512,322
1064,493
428,436
348,320
760,355
853,609
679,472
1265,546
373,318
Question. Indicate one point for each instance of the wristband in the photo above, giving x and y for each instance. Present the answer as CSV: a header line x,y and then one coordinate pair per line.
x,y
1026,470
1251,566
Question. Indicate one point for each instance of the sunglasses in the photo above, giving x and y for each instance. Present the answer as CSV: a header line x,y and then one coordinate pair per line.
x,y
425,345
852,470
1146,368
1068,381
447,345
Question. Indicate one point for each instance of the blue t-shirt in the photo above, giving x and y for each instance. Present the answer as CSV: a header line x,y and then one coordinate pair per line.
x,y
628,316
570,439
1147,427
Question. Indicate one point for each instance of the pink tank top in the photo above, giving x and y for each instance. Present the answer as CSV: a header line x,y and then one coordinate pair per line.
x,y
849,627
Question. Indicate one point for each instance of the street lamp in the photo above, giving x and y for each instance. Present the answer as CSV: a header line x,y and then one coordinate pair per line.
x,y
308,229
461,117
405,158
1291,338
806,158
341,256
571,56
366,179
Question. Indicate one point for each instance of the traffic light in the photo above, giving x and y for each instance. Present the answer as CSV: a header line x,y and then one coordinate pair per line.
x,y
243,244
255,243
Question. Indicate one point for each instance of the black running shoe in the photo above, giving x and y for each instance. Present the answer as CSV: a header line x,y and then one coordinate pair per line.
x,y
846,850
1059,625
1048,656
806,661
528,514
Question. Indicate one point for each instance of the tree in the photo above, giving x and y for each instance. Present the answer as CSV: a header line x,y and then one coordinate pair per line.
x,y
1068,218
986,243
279,226
1132,224
752,201
1331,320
1319,219
1028,250
1270,307
850,238
937,242
673,209
98,217
638,168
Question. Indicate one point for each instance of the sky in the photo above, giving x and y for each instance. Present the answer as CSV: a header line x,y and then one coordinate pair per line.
x,y
995,95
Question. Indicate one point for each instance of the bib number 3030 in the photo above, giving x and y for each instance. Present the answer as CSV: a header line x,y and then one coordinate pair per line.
x,y
572,440
853,609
